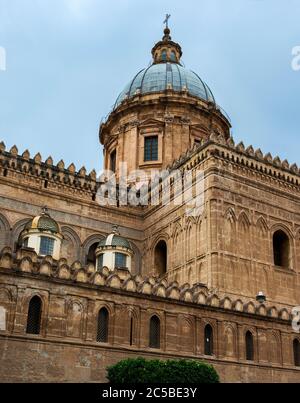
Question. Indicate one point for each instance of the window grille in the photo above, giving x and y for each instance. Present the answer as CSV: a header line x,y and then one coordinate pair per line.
x,y
154,341
46,246
102,329
249,347
34,316
120,260
151,149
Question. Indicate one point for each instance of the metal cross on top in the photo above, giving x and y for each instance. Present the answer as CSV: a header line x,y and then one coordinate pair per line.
x,y
166,21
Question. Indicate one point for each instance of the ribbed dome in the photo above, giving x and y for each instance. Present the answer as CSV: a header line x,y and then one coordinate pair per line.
x,y
163,76
115,240
43,223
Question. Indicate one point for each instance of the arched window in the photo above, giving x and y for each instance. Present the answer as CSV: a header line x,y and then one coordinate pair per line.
x,y
249,346
102,329
154,341
281,249
91,256
131,331
296,346
164,55
208,340
113,161
34,316
161,258
173,56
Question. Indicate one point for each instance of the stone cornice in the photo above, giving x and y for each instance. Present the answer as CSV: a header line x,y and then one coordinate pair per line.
x,y
45,170
27,264
141,101
248,158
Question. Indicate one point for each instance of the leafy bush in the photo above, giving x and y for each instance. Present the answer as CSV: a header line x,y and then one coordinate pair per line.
x,y
140,371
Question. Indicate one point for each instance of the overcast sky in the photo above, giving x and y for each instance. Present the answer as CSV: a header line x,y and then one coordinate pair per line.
x,y
67,61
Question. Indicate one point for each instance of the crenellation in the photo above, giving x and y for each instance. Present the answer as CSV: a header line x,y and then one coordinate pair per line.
x,y
100,277
38,172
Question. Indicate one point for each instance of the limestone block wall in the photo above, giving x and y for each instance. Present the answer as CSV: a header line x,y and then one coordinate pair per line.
x,y
67,349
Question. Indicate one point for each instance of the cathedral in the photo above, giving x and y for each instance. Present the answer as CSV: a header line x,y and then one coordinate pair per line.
x,y
85,284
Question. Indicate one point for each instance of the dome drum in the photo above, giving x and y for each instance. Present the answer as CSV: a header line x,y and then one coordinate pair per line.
x,y
162,112
114,252
42,234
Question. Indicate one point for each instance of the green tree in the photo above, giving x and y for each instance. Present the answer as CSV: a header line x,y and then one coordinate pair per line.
x,y
141,371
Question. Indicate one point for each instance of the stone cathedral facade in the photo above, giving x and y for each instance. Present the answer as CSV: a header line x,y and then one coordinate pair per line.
x,y
84,285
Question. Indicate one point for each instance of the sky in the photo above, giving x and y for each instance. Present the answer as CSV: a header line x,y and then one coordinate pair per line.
x,y
68,60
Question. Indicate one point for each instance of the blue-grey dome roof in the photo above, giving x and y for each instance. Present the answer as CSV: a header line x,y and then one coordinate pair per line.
x,y
162,76
43,223
115,241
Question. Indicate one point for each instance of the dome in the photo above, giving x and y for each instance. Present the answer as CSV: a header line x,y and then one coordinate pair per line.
x,y
163,76
115,240
166,73
43,223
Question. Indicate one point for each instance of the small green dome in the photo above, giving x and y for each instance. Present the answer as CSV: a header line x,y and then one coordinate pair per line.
x,y
43,223
115,240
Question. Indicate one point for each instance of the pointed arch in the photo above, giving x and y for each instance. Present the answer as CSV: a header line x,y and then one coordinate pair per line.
x,y
71,245
6,306
229,231
244,219
177,229
34,316
186,332
154,332
230,215
177,244
136,263
262,224
274,348
249,346
190,240
89,248
75,312
4,231
230,341
133,315
208,340
282,251
261,240
243,234
16,231
103,325
4,223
